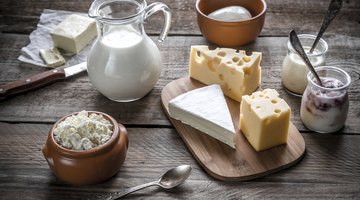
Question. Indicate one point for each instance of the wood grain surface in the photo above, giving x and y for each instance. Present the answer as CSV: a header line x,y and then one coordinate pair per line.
x,y
329,170
221,161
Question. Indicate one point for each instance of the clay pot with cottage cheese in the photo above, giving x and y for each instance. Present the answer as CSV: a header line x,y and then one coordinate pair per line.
x,y
83,167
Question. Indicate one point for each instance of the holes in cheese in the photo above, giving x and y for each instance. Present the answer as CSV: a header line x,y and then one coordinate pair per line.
x,y
240,71
247,71
247,59
211,66
221,53
235,59
241,62
217,60
264,121
221,77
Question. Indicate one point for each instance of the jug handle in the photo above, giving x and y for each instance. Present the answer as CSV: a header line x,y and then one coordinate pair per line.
x,y
154,7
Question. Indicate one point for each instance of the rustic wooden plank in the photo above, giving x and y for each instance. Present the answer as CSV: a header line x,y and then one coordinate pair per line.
x,y
50,103
330,169
282,15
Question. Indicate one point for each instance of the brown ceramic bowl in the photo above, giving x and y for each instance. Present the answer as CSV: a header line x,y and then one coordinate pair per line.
x,y
234,33
83,167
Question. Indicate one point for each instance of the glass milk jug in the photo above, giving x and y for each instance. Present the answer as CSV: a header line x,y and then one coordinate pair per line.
x,y
124,63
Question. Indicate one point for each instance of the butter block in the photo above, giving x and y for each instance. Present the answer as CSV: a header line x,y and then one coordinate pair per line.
x,y
264,119
52,57
74,33
237,73
205,109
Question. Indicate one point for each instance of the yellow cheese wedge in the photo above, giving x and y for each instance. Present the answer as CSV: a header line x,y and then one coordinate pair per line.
x,y
236,73
264,119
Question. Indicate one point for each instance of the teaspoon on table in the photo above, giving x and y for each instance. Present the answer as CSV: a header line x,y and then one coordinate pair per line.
x,y
170,179
295,42
332,11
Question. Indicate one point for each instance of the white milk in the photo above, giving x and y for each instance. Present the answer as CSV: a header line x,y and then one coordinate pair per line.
x,y
294,70
124,65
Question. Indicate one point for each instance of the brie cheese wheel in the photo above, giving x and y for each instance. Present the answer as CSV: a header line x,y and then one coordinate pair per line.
x,y
205,109
52,57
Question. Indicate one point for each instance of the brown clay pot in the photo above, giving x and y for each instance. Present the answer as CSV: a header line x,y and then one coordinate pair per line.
x,y
234,33
83,167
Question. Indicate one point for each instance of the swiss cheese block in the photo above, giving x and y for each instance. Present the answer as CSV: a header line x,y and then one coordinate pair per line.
x,y
264,119
237,73
205,109
74,33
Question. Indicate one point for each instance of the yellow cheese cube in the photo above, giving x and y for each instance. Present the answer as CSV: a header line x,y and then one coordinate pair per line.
x,y
236,73
264,119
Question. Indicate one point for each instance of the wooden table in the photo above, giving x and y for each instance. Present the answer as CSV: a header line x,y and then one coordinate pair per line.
x,y
329,170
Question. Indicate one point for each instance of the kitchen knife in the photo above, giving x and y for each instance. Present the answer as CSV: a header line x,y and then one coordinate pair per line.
x,y
40,80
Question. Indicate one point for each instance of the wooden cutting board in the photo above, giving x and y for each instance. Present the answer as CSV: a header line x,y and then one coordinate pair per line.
x,y
221,161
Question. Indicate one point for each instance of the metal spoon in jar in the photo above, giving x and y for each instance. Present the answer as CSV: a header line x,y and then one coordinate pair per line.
x,y
332,11
170,179
295,42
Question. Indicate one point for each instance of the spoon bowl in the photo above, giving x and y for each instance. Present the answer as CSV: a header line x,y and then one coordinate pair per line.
x,y
168,180
175,176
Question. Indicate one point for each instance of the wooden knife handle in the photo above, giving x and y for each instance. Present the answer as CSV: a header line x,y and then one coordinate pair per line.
x,y
31,82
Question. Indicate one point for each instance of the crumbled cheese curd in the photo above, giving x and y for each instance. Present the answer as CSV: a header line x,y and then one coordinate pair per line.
x,y
83,131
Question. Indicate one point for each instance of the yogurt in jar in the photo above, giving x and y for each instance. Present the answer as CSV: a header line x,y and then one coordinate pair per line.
x,y
324,109
294,69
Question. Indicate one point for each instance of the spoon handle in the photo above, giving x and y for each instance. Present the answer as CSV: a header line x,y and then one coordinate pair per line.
x,y
294,40
124,192
332,11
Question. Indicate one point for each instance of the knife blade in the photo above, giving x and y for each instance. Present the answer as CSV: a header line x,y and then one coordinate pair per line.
x,y
40,80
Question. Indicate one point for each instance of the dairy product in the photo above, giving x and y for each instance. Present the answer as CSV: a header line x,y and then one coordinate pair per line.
x,y
264,119
74,33
231,13
83,131
52,57
123,64
295,70
325,110
206,110
236,73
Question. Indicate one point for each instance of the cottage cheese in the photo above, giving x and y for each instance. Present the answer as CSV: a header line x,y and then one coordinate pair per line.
x,y
83,131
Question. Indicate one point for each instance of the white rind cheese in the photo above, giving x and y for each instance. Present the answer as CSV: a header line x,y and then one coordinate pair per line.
x,y
83,131
74,33
264,119
206,110
236,73
52,57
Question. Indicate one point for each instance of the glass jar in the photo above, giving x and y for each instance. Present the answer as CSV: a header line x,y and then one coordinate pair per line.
x,y
324,108
294,69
